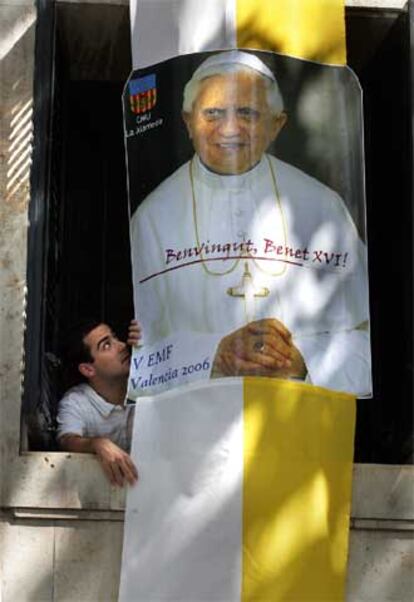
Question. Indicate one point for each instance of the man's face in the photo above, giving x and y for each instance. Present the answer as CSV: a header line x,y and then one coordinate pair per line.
x,y
111,356
231,125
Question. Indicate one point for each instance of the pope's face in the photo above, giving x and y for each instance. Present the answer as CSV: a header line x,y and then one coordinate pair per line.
x,y
231,125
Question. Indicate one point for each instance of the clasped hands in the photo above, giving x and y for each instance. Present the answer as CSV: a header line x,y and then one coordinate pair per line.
x,y
261,348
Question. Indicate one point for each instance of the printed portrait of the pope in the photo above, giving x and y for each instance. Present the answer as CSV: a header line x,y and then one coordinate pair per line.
x,y
256,263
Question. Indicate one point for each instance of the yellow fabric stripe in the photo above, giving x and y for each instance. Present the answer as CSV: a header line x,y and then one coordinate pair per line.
x,y
298,453
309,29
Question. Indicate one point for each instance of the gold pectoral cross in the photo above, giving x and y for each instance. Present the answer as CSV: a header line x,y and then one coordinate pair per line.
x,y
248,291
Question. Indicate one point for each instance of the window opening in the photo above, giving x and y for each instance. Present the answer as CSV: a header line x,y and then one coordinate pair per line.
x,y
78,256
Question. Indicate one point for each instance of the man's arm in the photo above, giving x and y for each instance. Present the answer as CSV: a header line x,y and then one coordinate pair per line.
x,y
116,463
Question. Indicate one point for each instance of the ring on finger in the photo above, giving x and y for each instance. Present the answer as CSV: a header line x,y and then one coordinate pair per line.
x,y
259,346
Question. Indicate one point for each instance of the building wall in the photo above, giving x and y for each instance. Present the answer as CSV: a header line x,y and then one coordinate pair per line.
x,y
58,554
17,28
61,523
79,561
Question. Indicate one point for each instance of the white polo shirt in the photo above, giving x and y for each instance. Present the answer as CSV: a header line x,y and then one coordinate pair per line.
x,y
82,411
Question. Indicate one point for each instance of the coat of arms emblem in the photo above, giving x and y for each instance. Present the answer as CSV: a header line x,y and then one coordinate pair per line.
x,y
143,94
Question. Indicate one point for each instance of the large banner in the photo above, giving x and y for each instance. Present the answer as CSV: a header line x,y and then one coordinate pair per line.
x,y
247,206
248,242
244,494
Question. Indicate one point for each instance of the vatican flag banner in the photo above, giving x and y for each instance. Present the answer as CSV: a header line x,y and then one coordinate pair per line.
x,y
243,134
243,494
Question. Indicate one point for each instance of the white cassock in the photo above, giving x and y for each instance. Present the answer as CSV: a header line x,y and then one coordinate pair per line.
x,y
301,248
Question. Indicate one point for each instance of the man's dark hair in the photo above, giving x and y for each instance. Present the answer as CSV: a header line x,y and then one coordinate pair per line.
x,y
74,351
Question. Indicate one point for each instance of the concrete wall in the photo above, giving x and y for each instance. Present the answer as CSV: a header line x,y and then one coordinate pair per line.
x,y
52,559
79,561
60,554
17,24
60,522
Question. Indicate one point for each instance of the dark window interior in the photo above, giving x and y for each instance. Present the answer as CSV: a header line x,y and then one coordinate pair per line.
x,y
379,52
79,261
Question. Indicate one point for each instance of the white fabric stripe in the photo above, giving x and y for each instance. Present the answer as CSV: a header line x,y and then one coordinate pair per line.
x,y
184,518
162,29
